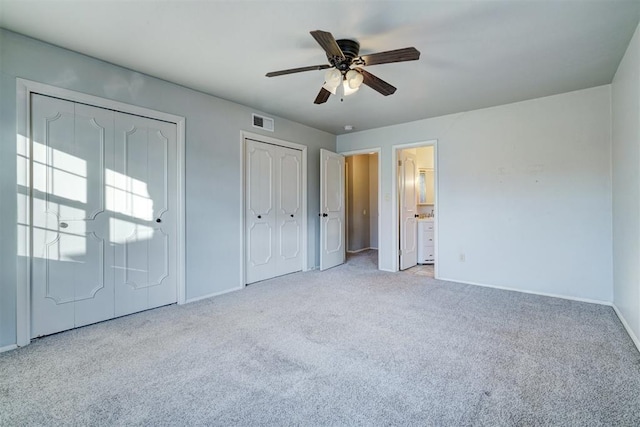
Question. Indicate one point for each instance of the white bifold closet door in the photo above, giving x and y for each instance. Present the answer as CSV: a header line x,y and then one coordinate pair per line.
x,y
273,209
104,205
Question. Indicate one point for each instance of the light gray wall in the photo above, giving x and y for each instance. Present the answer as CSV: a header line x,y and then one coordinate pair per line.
x,y
373,200
8,214
626,186
213,160
524,192
358,191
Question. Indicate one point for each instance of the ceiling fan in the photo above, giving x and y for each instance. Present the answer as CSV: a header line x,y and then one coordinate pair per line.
x,y
344,68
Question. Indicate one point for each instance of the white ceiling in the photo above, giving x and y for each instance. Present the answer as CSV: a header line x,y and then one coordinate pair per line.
x,y
474,53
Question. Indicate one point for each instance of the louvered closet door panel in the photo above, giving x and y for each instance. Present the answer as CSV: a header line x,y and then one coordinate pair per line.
x,y
144,204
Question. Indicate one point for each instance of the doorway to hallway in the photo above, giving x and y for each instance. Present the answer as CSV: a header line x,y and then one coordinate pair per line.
x,y
362,188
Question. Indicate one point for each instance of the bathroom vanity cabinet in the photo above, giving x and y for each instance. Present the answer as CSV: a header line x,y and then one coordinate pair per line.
x,y
426,253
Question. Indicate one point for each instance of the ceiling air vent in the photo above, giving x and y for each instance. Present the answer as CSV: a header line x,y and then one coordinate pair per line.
x,y
262,122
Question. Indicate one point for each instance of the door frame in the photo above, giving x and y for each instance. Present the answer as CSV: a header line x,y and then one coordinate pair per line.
x,y
244,135
24,90
378,151
395,235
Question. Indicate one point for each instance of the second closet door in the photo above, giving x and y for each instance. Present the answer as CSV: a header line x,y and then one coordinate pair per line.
x,y
272,210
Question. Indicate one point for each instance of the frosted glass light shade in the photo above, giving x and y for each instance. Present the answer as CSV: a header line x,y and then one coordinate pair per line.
x,y
332,78
354,79
332,89
347,90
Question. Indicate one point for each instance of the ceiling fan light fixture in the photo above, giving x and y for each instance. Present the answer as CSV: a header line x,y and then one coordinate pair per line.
x,y
332,78
332,89
344,65
354,79
347,89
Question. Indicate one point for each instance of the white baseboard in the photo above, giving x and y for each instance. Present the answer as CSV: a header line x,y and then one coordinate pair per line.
x,y
524,291
359,250
8,348
633,336
215,294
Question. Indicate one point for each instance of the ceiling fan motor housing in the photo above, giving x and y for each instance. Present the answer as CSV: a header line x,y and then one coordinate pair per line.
x,y
350,49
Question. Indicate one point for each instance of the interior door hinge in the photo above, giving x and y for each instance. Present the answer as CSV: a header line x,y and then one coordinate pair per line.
x,y
400,252
399,162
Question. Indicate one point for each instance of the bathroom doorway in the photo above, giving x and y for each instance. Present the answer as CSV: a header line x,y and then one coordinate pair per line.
x,y
416,200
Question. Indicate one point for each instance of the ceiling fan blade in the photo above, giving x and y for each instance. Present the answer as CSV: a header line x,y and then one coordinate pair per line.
x,y
328,43
322,97
398,55
376,83
298,70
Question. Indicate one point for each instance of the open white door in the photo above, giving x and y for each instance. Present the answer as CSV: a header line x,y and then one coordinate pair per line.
x,y
332,230
407,173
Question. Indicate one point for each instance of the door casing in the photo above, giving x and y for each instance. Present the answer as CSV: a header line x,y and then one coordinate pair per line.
x,y
244,135
24,90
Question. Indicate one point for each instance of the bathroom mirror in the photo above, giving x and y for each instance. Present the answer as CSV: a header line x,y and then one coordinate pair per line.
x,y
425,187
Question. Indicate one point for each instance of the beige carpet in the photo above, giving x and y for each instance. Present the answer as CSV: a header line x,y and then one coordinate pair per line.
x,y
348,346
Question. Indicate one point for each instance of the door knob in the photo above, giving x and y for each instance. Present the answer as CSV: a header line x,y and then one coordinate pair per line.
x,y
324,214
158,220
63,225
259,216
291,215
416,216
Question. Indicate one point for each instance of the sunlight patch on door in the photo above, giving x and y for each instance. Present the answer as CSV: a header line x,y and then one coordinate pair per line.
x,y
59,174
128,196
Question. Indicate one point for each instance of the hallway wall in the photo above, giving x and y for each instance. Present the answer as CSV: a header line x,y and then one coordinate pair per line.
x,y
358,202
373,201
